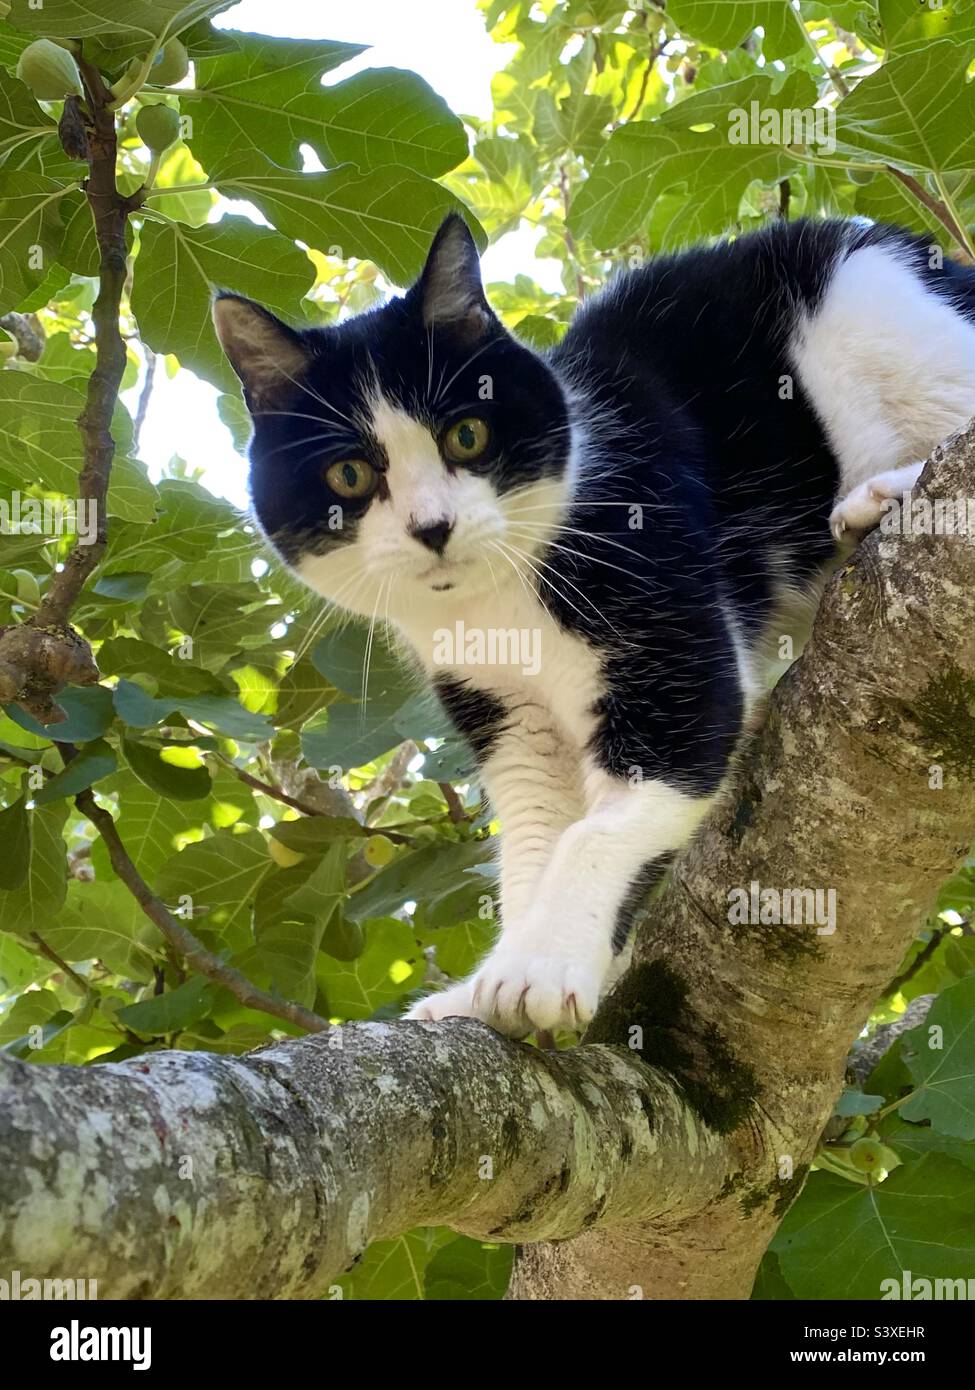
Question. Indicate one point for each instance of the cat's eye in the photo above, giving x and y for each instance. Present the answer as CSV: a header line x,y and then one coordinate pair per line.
x,y
467,439
352,478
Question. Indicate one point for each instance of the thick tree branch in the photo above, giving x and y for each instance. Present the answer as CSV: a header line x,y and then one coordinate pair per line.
x,y
661,1153
184,1175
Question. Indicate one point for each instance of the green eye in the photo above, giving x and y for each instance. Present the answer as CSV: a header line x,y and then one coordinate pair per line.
x,y
467,440
352,478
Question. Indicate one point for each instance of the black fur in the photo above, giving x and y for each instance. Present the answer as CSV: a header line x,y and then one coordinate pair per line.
x,y
679,371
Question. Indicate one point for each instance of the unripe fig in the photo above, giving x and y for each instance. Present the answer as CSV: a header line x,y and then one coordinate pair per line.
x,y
171,64
862,176
378,851
158,127
867,1155
49,71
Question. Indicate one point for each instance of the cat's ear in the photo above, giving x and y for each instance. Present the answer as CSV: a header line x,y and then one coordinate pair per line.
x,y
449,288
265,353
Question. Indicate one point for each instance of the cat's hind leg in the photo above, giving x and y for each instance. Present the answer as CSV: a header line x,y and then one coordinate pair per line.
x,y
888,363
861,510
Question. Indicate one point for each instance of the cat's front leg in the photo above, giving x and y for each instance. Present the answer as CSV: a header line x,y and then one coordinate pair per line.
x,y
533,778
550,970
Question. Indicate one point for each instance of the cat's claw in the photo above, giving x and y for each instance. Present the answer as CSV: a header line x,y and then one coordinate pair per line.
x,y
862,509
519,992
449,1003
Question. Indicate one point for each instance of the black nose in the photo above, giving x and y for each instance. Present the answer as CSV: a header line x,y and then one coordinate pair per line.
x,y
434,534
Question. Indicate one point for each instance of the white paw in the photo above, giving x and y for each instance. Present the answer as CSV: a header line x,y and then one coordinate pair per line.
x,y
518,991
862,509
449,1003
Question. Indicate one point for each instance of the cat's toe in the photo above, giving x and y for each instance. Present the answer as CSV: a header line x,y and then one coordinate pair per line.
x,y
455,1002
518,994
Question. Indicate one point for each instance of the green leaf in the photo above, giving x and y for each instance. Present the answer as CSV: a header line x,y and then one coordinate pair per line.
x,y
172,1011
425,876
921,1219
102,921
124,28
222,875
914,1141
468,1269
267,97
390,965
35,904
853,1102
916,111
394,1269
292,910
387,215
221,712
909,24
89,709
23,125
149,825
15,838
181,267
93,762
128,656
30,232
689,147
180,783
243,99
727,23
944,1075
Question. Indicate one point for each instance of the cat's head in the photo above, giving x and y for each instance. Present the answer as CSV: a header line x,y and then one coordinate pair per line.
x,y
411,451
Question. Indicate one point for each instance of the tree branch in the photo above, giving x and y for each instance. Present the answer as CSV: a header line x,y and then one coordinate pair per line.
x,y
43,654
181,938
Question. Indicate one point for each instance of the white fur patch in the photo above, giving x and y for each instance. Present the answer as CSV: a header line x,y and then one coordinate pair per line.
x,y
888,364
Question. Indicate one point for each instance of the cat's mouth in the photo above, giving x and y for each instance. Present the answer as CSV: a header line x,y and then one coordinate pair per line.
x,y
441,576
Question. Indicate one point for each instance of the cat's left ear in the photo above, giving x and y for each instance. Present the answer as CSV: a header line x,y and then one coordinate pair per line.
x,y
449,289
265,353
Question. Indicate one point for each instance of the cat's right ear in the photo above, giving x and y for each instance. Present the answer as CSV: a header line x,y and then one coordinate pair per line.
x,y
265,353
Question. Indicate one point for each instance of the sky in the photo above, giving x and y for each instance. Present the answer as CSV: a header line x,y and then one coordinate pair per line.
x,y
446,43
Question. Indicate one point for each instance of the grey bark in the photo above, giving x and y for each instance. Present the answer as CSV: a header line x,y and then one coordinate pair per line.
x,y
660,1155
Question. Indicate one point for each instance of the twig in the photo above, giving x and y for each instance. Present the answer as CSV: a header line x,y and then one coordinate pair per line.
x,y
940,210
840,84
180,938
570,241
145,396
454,804
28,333
278,794
52,955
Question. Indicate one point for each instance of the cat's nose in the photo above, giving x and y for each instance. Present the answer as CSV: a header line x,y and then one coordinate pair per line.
x,y
433,534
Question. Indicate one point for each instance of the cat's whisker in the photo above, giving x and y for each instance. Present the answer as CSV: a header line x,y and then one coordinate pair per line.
x,y
555,589
442,390
588,535
496,545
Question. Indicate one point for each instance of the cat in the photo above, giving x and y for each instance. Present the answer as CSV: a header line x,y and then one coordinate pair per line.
x,y
639,501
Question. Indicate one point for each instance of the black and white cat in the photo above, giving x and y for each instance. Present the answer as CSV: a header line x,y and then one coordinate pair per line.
x,y
640,500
